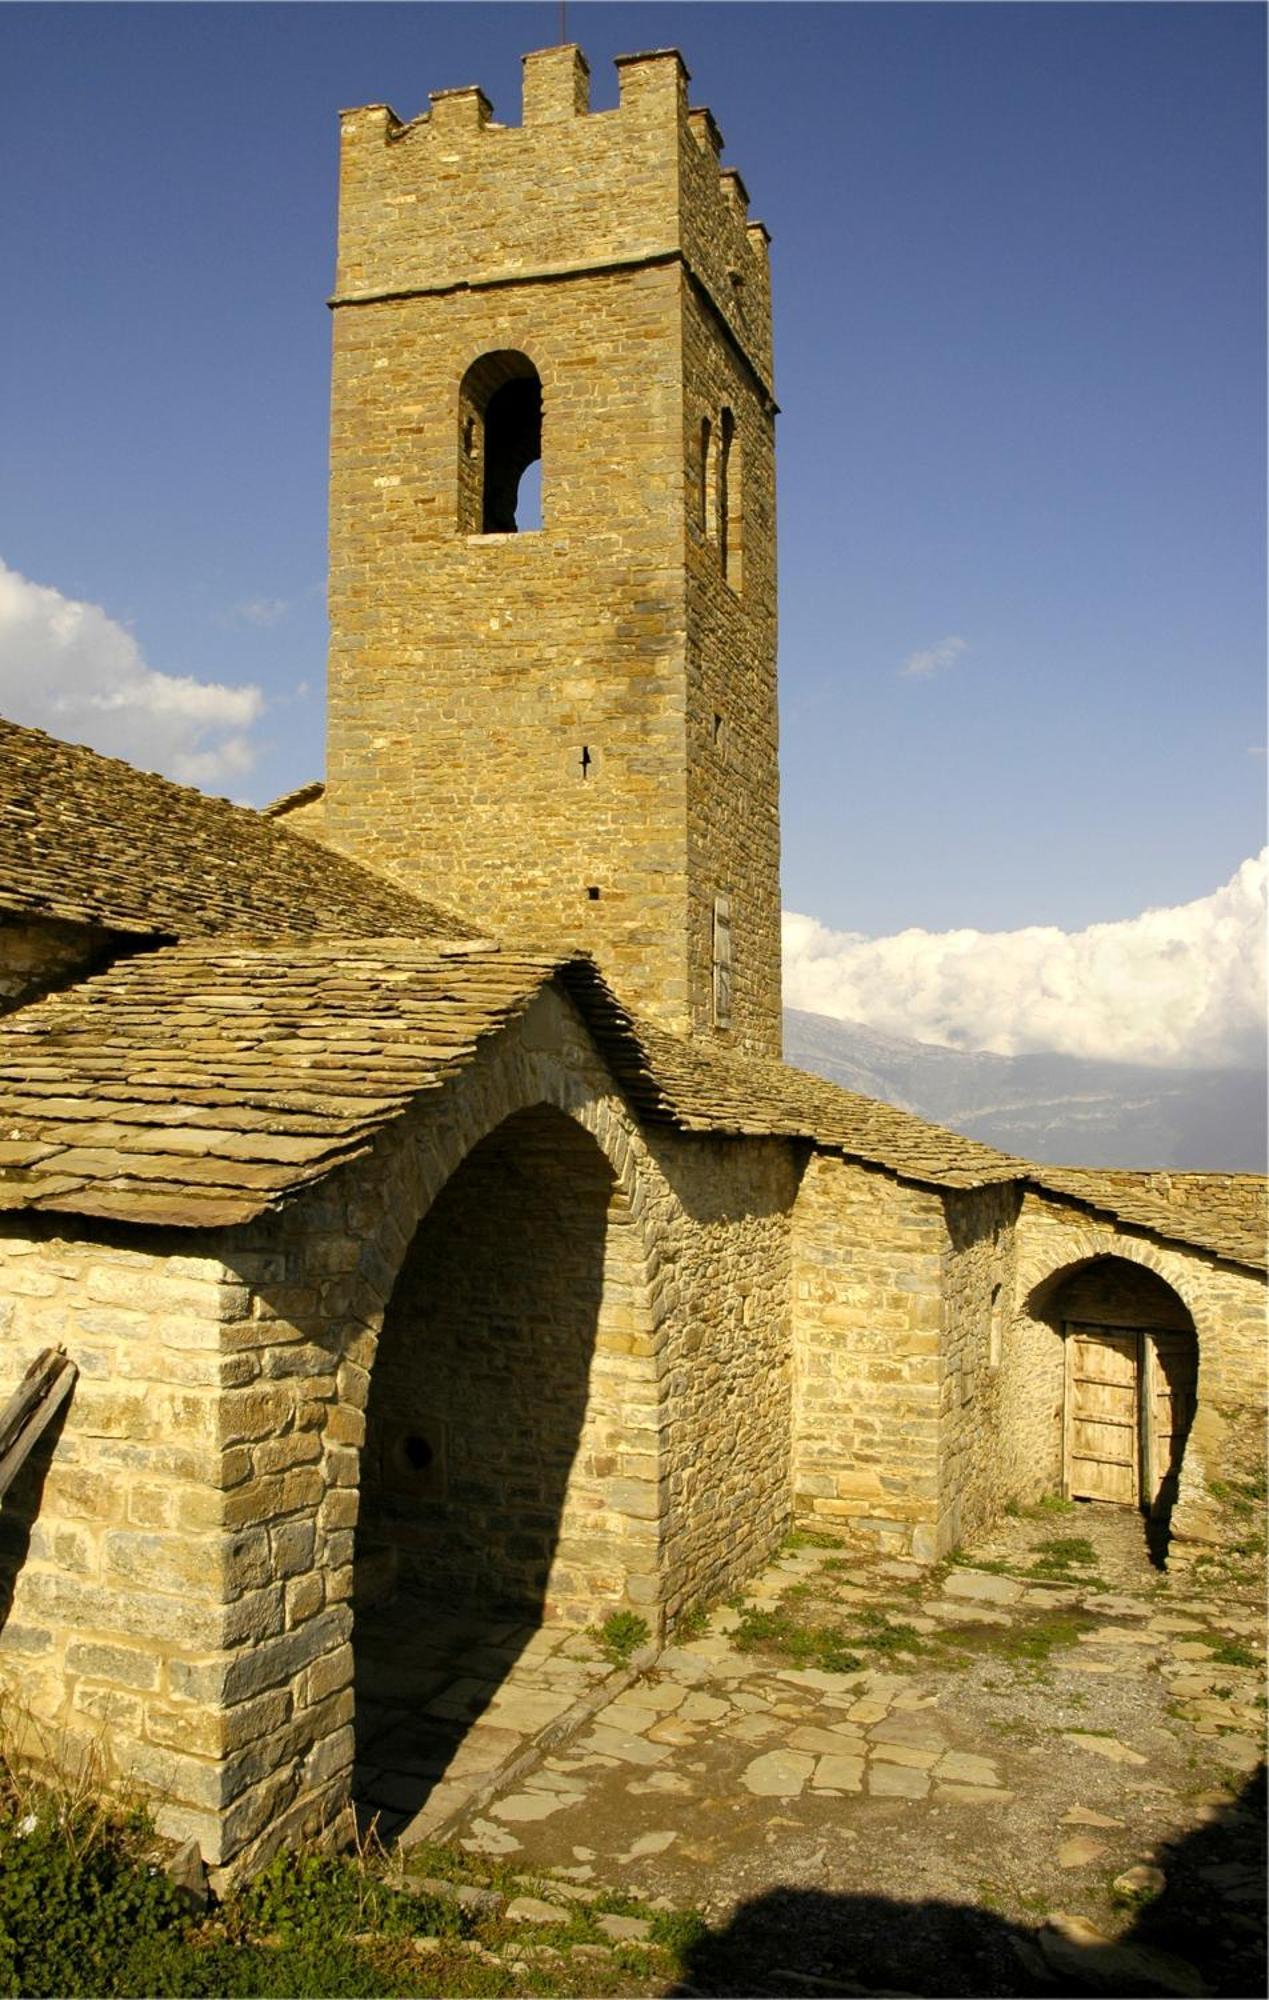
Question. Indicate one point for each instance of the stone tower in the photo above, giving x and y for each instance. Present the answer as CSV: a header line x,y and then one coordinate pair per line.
x,y
563,728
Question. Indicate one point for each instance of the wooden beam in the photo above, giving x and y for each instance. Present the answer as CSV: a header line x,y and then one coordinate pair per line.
x,y
31,1409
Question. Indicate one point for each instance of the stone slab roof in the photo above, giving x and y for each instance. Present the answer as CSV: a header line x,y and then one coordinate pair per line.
x,y
204,1083
88,839
1225,1213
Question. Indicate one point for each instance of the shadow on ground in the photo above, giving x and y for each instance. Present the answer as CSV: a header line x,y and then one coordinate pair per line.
x,y
1205,1934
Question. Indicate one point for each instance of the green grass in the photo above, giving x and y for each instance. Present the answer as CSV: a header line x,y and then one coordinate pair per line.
x,y
621,1635
692,1623
1028,1642
806,1645
1061,1554
86,1910
1228,1652
810,1538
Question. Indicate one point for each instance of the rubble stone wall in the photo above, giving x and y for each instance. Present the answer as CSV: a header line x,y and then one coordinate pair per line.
x,y
868,1253
728,1366
983,1398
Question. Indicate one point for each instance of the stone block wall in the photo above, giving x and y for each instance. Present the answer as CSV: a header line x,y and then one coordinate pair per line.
x,y
728,1373
125,1571
983,1392
868,1253
733,797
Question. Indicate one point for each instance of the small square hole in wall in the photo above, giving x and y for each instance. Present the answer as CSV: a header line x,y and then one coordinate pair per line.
x,y
414,1460
592,894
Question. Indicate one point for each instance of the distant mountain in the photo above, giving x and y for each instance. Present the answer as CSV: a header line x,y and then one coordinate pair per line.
x,y
1056,1108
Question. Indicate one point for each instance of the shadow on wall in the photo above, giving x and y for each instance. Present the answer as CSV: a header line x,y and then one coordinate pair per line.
x,y
20,1510
481,1468
1204,1934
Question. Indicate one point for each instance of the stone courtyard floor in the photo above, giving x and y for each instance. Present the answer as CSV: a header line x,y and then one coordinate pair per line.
x,y
1028,1770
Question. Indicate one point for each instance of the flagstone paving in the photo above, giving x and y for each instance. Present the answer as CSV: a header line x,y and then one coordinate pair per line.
x,y
1006,1747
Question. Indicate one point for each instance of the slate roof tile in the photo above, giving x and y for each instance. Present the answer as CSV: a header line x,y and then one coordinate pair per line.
x,y
89,839
206,1082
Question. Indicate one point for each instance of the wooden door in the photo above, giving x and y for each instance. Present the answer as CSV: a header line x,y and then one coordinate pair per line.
x,y
1103,1450
1171,1372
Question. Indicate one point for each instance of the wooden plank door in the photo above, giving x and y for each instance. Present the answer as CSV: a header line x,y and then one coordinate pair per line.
x,y
1171,1386
1102,1414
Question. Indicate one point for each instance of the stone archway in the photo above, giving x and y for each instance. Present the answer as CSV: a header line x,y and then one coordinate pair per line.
x,y
504,1464
511,1482
1129,1383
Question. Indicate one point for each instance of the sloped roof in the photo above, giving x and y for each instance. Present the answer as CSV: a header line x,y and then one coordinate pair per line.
x,y
1227,1214
90,840
704,1088
205,1083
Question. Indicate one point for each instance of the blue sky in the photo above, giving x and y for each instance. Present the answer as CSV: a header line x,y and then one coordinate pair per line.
x,y
1019,270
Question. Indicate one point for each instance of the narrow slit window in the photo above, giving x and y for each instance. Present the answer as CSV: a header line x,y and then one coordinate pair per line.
x,y
705,468
500,446
722,961
730,497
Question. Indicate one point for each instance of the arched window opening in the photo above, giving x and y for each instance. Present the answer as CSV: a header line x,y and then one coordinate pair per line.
x,y
730,512
500,440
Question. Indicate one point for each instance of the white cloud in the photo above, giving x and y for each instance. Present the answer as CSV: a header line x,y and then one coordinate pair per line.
x,y
263,611
70,668
945,653
1175,987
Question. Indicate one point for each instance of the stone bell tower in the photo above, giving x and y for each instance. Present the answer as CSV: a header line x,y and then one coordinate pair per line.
x,y
561,726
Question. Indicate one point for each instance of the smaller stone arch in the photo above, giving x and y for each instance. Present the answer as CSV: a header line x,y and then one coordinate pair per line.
x,y
1129,1363
499,438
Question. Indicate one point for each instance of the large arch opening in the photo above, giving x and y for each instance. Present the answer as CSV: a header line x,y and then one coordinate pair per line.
x,y
509,1485
1130,1386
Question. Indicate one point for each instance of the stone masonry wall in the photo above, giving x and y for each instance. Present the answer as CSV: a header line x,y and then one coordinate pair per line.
x,y
125,1569
732,748
1227,1305
868,1252
181,1560
728,1374
523,724
984,1398
38,953
501,1375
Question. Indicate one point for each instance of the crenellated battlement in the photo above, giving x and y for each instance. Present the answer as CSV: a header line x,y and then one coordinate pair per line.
x,y
454,199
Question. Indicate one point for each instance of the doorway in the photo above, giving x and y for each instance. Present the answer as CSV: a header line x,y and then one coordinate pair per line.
x,y
1130,1398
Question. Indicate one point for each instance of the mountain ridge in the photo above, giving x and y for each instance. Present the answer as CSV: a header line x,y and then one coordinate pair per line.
x,y
1057,1109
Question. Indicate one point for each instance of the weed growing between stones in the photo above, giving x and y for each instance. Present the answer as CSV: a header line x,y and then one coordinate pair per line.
x,y
1228,1653
1060,1555
621,1635
806,1645
1028,1642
